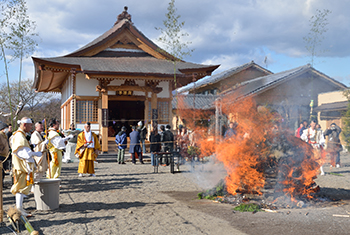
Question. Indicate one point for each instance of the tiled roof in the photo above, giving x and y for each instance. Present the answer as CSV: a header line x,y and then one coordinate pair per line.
x,y
259,84
219,77
336,106
193,101
141,65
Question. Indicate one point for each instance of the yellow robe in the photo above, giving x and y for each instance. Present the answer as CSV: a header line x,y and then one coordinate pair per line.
x,y
23,180
86,162
56,157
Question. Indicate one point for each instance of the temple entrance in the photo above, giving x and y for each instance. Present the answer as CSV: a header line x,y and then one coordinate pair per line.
x,y
124,113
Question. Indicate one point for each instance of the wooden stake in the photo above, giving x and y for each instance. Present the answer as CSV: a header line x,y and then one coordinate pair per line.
x,y
48,152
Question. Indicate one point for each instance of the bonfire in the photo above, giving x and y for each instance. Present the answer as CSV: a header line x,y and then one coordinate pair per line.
x,y
263,159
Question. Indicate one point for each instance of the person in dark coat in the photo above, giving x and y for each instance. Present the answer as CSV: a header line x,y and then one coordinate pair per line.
x,y
154,139
135,147
143,135
121,140
334,146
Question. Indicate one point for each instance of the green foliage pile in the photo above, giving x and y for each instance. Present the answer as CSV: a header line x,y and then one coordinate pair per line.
x,y
219,190
251,207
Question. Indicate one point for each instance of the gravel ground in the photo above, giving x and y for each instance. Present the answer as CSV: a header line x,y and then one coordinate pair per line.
x,y
131,199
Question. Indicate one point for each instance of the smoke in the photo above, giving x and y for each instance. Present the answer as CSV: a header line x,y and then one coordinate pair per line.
x,y
207,175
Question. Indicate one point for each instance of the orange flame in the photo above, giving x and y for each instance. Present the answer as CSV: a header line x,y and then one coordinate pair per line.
x,y
246,154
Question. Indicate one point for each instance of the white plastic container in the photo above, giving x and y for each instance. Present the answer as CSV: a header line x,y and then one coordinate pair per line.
x,y
47,194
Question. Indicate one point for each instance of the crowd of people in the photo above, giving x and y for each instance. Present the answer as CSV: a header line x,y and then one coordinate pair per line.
x,y
160,141
316,137
30,154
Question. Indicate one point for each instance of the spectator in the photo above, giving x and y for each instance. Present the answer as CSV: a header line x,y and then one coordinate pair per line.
x,y
315,138
303,128
184,142
4,146
143,135
135,147
334,146
121,141
297,132
154,139
9,131
231,131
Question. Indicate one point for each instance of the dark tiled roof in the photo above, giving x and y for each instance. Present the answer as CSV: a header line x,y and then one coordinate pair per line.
x,y
141,65
260,84
219,77
336,106
193,101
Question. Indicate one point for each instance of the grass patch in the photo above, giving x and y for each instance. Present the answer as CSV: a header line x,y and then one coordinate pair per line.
x,y
337,174
251,207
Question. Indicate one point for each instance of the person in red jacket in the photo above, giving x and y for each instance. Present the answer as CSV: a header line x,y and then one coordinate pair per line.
x,y
297,132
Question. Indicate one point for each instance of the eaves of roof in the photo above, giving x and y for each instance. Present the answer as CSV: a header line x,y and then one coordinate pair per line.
x,y
336,106
220,76
261,84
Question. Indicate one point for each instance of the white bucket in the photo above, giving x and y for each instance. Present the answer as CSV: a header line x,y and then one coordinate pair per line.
x,y
47,193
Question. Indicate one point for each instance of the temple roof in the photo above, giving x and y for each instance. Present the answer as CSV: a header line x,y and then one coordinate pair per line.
x,y
194,101
122,50
262,84
220,76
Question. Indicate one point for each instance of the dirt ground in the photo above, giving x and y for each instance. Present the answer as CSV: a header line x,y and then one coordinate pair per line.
x,y
131,199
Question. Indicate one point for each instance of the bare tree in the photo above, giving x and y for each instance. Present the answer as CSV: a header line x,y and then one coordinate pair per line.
x,y
33,104
313,40
16,41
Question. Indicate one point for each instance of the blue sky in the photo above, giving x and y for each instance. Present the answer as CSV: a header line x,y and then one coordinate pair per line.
x,y
226,32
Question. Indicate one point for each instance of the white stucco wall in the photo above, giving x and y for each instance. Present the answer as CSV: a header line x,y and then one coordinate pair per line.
x,y
67,89
165,92
86,87
331,97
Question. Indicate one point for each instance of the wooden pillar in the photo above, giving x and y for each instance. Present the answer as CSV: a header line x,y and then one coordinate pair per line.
x,y
154,108
146,109
104,127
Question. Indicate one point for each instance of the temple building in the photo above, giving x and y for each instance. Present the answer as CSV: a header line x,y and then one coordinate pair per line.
x,y
118,79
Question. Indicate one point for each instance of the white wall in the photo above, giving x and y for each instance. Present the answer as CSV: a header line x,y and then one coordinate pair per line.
x,y
165,92
67,89
86,87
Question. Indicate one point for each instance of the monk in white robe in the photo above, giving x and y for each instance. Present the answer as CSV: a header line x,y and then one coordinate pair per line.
x,y
23,163
56,146
39,146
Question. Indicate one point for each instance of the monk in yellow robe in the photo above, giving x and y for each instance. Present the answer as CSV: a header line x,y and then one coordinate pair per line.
x,y
88,146
56,146
22,162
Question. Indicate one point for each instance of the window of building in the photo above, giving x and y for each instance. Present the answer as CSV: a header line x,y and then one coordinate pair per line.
x,y
87,111
163,111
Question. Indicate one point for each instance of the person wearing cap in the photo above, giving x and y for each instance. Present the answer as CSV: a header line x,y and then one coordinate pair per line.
x,y
135,147
39,146
23,162
88,141
334,146
4,147
143,135
121,140
56,145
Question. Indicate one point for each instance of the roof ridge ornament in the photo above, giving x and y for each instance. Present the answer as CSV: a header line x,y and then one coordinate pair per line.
x,y
123,15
